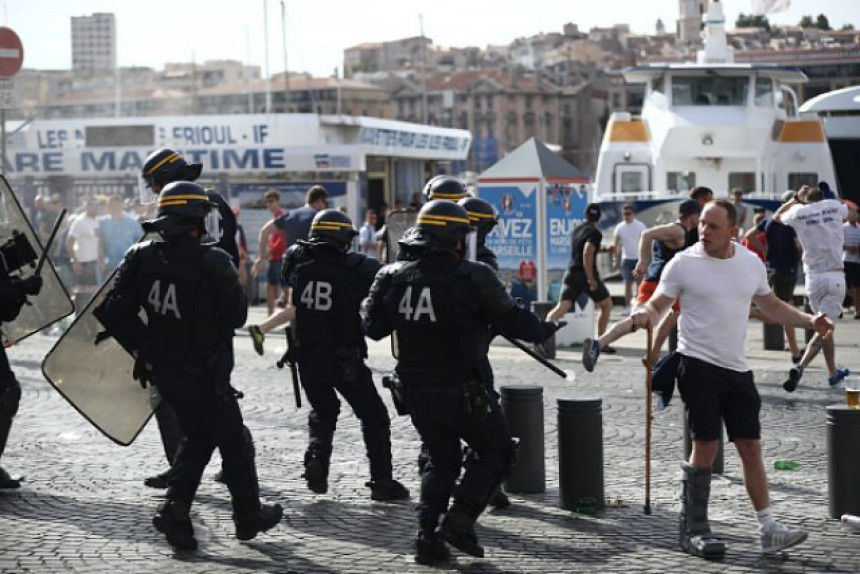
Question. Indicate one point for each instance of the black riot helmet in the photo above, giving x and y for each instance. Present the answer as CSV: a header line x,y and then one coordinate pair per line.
x,y
440,225
483,216
334,227
165,165
182,206
444,187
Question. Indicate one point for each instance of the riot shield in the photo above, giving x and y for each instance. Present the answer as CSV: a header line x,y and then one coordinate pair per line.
x,y
96,377
396,223
20,249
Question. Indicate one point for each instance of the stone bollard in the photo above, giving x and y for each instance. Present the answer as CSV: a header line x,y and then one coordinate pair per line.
x,y
522,408
843,462
719,466
774,337
542,309
580,453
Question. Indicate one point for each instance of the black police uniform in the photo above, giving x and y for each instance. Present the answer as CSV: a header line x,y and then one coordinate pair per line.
x,y
441,307
192,298
328,286
13,295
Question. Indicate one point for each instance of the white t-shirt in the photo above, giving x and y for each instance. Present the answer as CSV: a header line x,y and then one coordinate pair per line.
x,y
819,230
629,234
367,240
715,296
85,231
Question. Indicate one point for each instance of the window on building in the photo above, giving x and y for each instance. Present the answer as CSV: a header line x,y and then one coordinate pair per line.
x,y
680,182
796,180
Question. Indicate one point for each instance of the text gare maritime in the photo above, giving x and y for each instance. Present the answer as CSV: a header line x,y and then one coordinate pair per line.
x,y
130,160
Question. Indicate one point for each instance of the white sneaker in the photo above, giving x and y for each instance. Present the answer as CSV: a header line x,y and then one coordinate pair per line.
x,y
780,537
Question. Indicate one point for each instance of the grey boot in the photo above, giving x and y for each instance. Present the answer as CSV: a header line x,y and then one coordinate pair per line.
x,y
695,532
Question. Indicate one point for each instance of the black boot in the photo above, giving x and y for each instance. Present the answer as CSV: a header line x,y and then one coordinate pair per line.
x,y
458,530
316,471
249,524
387,490
695,532
158,480
430,549
499,499
173,521
7,481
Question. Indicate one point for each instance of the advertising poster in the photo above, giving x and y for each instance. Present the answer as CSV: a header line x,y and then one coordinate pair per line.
x,y
565,209
514,240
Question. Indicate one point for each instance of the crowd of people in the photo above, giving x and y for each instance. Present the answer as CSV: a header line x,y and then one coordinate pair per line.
x,y
326,280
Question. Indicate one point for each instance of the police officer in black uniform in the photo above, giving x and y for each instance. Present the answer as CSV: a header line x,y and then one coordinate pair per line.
x,y
328,284
193,300
161,167
442,308
13,296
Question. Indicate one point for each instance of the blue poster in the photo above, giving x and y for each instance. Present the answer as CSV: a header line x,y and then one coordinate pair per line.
x,y
514,239
565,209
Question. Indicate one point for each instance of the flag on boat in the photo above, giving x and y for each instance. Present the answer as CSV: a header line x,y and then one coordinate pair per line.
x,y
761,7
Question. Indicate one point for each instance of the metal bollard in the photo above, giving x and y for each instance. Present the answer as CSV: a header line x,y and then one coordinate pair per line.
x,y
843,464
774,337
719,466
542,309
522,408
580,453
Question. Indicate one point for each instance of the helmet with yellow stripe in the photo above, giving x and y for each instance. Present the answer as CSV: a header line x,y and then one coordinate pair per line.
x,y
165,165
334,227
444,187
483,216
441,224
182,206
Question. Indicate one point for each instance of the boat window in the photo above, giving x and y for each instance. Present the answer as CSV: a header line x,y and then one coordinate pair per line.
x,y
796,180
632,181
764,92
659,85
709,91
742,180
680,182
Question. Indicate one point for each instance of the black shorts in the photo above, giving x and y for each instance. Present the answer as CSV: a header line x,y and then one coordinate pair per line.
x,y
852,274
783,286
713,395
575,284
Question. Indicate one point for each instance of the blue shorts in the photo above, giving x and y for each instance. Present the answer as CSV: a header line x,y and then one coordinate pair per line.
x,y
627,267
273,273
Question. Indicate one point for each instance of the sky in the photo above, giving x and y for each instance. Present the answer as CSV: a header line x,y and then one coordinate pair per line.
x,y
154,32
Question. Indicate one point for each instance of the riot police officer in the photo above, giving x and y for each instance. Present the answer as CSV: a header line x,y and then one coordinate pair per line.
x,y
13,296
328,284
193,300
442,308
160,168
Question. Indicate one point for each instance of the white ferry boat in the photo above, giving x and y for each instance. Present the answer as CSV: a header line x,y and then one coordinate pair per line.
x,y
712,123
840,112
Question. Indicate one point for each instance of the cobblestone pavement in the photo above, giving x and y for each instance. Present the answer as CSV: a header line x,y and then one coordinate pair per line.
x,y
83,507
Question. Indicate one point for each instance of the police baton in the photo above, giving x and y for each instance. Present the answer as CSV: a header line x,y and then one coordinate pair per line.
x,y
51,238
536,357
288,359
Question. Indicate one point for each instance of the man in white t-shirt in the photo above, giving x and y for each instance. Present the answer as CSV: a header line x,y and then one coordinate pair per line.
x,y
367,234
715,281
626,250
818,224
82,244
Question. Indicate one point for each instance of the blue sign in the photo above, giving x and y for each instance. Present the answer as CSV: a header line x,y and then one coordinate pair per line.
x,y
565,209
514,239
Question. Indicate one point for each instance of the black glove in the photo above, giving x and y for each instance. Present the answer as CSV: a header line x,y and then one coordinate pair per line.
x,y
548,328
31,285
142,370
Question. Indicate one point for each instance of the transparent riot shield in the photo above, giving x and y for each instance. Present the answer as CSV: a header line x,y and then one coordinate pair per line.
x,y
20,249
396,224
96,377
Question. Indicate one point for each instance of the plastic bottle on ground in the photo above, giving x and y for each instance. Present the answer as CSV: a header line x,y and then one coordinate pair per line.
x,y
786,465
851,522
